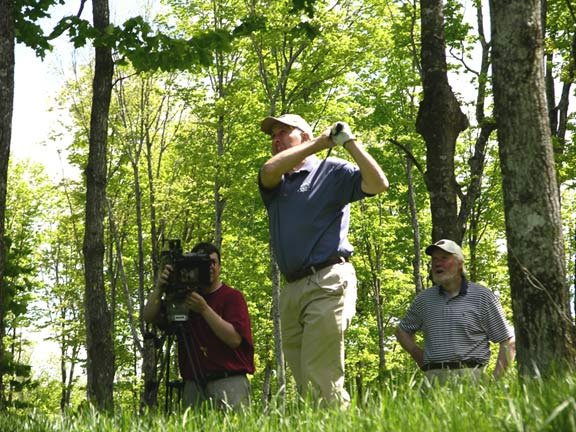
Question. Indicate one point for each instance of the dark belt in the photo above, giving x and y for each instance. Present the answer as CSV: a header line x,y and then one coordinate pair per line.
x,y
310,270
453,365
213,376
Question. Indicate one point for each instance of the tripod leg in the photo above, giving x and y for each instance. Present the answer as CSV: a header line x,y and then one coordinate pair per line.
x,y
168,391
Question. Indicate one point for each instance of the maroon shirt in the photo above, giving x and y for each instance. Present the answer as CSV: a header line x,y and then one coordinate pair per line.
x,y
204,353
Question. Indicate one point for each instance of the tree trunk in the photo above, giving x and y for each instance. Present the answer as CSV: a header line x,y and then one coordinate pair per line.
x,y
99,326
149,397
558,113
140,231
417,259
540,300
219,200
439,121
280,364
487,126
380,325
6,109
154,231
267,384
116,243
374,254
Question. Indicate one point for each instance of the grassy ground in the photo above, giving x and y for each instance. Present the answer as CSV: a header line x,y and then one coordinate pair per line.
x,y
534,405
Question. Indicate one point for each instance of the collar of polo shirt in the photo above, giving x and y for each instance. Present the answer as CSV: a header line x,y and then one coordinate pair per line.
x,y
463,288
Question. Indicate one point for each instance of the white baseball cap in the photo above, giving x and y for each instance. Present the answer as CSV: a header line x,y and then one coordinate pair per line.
x,y
293,120
447,246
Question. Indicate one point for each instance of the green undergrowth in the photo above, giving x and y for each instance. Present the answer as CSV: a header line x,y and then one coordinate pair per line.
x,y
407,405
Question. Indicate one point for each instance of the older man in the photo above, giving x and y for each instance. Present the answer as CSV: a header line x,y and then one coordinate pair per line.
x,y
458,318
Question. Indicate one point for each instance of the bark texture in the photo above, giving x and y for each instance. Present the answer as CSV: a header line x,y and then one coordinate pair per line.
x,y
440,120
543,326
99,340
6,109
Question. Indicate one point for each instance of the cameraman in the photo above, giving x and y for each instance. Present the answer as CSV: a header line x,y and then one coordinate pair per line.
x,y
215,349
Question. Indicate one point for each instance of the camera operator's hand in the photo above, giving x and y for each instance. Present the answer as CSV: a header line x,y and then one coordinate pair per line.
x,y
221,328
196,303
163,277
152,307
341,133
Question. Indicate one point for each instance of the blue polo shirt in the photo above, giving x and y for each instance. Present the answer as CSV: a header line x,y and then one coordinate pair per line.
x,y
309,212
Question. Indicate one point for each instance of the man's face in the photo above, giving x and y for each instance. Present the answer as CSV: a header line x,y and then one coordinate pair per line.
x,y
445,267
284,137
214,267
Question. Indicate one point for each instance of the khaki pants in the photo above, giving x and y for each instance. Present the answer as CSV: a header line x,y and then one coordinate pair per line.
x,y
443,376
231,392
314,312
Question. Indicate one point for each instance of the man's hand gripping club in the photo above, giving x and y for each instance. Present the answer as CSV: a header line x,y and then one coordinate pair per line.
x,y
341,133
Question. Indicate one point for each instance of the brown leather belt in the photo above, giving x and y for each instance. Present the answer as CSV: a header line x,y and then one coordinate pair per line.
x,y
310,270
453,365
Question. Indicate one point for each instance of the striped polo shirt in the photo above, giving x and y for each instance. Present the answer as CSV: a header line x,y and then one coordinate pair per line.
x,y
458,328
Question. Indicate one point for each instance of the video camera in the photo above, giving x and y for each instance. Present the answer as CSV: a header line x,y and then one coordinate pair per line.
x,y
190,272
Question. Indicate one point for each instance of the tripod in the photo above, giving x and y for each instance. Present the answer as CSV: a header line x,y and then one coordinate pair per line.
x,y
176,387
171,385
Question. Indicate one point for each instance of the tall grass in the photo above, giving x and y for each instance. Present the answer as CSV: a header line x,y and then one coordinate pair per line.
x,y
400,405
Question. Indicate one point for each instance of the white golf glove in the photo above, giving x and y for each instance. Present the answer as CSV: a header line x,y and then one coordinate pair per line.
x,y
341,133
